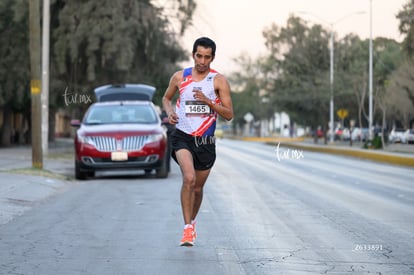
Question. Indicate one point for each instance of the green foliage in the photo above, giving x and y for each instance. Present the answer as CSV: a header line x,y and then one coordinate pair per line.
x,y
100,42
14,52
93,43
301,87
375,143
406,27
295,74
246,98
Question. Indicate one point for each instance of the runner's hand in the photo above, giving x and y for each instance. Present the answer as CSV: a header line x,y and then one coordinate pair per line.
x,y
172,118
198,94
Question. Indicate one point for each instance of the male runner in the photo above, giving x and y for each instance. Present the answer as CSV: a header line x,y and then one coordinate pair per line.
x,y
203,94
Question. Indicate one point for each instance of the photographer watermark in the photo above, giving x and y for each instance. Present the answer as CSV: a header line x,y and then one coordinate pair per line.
x,y
204,140
368,247
288,154
75,98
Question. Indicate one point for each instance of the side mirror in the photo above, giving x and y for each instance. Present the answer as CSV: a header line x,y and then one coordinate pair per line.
x,y
75,123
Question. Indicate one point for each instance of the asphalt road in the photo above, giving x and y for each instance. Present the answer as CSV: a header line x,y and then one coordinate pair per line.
x,y
267,210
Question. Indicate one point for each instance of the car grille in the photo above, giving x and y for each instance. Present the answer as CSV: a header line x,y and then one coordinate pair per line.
x,y
110,144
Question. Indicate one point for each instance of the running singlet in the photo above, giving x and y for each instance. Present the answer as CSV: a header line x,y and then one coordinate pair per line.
x,y
195,117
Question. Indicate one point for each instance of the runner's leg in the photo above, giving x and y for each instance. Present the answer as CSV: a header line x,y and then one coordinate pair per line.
x,y
185,161
201,178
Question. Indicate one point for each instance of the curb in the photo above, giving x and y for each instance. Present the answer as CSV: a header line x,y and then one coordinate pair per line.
x,y
363,154
297,143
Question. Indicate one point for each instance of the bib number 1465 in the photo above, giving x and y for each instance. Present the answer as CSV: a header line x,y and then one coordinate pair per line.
x,y
196,108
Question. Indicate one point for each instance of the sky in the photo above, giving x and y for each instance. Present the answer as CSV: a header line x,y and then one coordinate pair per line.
x,y
236,25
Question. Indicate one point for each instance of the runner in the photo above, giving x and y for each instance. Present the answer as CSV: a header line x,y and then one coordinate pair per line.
x,y
203,95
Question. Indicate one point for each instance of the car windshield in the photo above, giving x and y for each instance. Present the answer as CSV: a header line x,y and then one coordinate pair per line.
x,y
120,114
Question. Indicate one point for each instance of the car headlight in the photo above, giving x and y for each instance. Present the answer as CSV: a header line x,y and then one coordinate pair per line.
x,y
154,138
86,140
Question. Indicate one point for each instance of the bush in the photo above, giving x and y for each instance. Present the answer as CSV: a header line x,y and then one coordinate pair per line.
x,y
376,143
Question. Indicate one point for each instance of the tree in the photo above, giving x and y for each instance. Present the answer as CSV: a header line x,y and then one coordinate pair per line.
x,y
247,86
92,43
295,73
100,42
400,94
300,56
406,27
402,80
351,77
388,57
14,67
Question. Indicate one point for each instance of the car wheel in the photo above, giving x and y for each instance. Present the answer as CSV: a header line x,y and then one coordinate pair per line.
x,y
78,173
91,174
162,172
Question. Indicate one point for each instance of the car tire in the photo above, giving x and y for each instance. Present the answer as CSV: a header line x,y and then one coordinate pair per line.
x,y
78,173
162,172
91,174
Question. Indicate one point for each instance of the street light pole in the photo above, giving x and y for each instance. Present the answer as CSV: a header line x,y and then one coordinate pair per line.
x,y
331,102
370,75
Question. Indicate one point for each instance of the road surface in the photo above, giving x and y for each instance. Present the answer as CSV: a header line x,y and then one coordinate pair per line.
x,y
266,210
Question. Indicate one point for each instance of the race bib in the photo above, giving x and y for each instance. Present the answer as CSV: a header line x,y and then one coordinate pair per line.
x,y
194,107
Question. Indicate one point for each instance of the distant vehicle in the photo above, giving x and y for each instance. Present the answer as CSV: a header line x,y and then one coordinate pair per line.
x,y
346,134
356,134
342,134
319,132
397,135
121,134
409,136
338,133
364,134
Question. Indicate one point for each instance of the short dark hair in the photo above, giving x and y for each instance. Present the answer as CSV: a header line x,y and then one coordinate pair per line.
x,y
206,43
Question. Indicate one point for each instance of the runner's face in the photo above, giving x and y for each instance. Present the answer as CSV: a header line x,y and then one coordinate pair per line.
x,y
202,59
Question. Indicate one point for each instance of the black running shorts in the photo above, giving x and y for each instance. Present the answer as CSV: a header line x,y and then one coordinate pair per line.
x,y
203,149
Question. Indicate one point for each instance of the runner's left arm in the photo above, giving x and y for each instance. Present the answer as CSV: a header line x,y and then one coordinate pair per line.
x,y
222,87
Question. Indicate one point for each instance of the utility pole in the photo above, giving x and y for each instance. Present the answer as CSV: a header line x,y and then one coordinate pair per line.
x,y
45,76
370,119
35,85
331,84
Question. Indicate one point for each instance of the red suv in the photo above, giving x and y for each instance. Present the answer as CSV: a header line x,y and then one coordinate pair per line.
x,y
121,134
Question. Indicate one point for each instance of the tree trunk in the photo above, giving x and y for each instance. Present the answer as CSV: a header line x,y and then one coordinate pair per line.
x,y
6,130
52,125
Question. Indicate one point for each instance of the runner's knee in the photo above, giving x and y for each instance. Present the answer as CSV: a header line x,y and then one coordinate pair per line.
x,y
189,179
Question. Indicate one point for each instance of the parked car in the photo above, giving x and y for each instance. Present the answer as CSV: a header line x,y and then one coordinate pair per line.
x,y
364,134
356,134
397,135
121,134
346,134
409,136
124,92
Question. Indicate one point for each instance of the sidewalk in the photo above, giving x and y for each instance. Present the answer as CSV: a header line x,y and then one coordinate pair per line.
x,y
22,187
20,157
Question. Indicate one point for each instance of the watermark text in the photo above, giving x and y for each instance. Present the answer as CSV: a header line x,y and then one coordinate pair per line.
x,y
288,154
75,98
204,140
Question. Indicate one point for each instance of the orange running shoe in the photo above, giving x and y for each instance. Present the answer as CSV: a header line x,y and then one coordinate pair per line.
x,y
194,231
188,237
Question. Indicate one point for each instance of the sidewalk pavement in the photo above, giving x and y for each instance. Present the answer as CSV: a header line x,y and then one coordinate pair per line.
x,y
22,187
